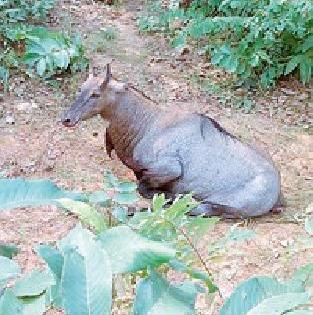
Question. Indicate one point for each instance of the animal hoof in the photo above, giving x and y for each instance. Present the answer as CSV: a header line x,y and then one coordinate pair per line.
x,y
277,210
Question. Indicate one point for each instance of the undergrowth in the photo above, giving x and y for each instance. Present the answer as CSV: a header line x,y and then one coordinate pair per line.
x,y
25,46
91,271
259,41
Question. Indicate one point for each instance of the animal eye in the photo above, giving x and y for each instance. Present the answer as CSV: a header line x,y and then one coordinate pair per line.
x,y
95,94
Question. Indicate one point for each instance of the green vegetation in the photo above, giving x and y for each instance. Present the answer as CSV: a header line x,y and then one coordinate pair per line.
x,y
35,50
81,269
84,263
256,40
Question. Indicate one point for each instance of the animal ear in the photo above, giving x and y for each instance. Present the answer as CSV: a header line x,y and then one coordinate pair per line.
x,y
94,71
108,76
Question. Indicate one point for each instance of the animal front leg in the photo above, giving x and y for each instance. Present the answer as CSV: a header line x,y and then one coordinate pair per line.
x,y
108,144
162,172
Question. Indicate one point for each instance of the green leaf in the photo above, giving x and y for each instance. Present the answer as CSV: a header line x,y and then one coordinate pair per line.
x,y
251,292
109,180
8,269
179,208
308,224
306,70
125,198
304,274
41,66
130,252
33,284
85,213
120,214
194,273
61,59
280,304
100,197
8,250
10,304
34,305
126,187
16,193
54,260
292,64
52,257
158,202
307,44
156,296
87,276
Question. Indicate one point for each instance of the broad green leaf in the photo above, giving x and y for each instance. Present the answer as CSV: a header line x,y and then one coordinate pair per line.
x,y
251,292
34,283
52,257
87,276
10,304
99,197
126,187
61,58
120,214
8,250
156,296
280,304
8,268
304,274
34,305
308,224
54,260
85,213
18,192
129,252
109,180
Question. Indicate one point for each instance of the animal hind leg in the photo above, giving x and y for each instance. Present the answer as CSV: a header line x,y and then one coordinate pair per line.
x,y
211,209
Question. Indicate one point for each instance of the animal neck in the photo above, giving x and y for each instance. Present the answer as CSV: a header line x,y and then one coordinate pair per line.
x,y
129,118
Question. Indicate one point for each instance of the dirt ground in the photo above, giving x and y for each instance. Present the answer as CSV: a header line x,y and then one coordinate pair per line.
x,y
36,146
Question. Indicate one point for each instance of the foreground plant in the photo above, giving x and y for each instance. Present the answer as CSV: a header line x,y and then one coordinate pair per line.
x,y
80,272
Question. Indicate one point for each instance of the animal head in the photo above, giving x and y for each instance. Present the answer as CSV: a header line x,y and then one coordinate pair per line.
x,y
97,95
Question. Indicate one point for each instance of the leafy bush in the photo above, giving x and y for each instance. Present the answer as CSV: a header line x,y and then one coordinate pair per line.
x,y
24,44
261,40
83,265
82,268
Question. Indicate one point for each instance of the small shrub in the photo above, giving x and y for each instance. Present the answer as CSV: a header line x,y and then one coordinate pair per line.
x,y
25,46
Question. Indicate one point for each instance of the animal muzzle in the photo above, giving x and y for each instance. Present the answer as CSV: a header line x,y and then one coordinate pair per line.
x,y
69,119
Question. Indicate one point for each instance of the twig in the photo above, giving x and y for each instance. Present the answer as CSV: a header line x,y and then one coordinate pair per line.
x,y
189,241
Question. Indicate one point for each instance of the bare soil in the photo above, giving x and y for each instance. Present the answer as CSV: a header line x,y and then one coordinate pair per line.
x,y
36,146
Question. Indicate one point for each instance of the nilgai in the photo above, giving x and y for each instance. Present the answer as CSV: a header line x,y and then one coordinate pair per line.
x,y
177,152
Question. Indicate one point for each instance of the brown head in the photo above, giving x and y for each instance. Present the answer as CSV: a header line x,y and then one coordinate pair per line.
x,y
97,95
